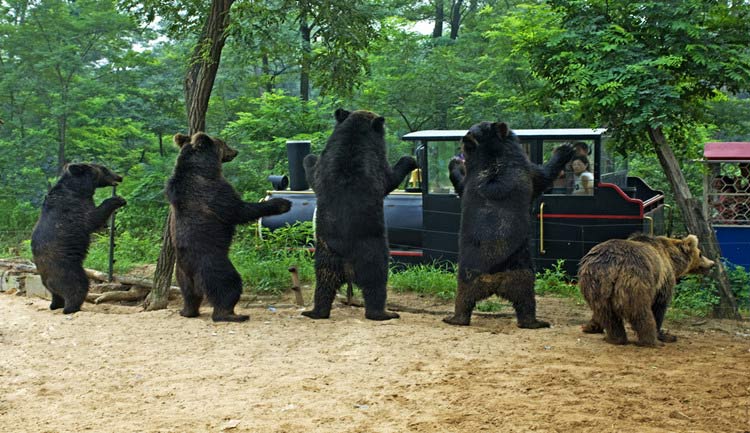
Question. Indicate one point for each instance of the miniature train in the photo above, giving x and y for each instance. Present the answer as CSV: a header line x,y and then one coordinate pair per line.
x,y
423,218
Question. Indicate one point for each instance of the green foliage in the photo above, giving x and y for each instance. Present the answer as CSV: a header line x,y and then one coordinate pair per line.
x,y
264,263
636,65
556,281
130,251
695,295
432,279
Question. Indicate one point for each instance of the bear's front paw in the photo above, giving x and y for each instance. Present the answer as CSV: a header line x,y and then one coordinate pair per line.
x,y
566,152
409,162
280,205
456,163
117,202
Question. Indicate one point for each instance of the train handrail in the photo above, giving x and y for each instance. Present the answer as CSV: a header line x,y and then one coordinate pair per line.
x,y
651,224
541,229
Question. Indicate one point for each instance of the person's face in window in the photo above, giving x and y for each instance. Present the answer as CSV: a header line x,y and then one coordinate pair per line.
x,y
578,166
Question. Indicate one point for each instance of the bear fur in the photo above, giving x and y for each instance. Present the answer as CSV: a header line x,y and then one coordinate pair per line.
x,y
632,279
205,210
497,184
350,179
61,237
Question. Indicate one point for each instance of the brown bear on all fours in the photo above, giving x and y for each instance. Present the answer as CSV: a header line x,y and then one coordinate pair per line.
x,y
62,236
351,179
205,210
632,279
497,184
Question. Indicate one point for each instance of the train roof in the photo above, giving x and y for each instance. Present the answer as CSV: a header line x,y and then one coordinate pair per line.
x,y
727,150
457,134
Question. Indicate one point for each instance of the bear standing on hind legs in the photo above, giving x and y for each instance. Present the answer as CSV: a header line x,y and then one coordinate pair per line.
x,y
632,279
350,179
497,184
62,235
205,210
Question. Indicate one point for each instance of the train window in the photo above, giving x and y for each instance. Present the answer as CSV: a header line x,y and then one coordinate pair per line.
x,y
439,154
578,176
614,168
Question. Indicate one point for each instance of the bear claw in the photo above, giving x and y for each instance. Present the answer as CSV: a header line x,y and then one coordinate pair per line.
x,y
230,318
381,315
456,320
315,315
533,324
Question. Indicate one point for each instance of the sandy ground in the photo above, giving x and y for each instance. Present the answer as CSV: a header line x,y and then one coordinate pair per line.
x,y
114,368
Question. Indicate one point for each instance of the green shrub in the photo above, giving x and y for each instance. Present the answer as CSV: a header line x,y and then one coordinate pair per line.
x,y
555,281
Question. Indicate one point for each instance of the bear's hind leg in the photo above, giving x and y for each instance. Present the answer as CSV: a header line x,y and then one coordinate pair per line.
x,y
660,309
192,297
371,275
57,302
517,286
223,286
470,290
614,328
75,290
329,276
644,325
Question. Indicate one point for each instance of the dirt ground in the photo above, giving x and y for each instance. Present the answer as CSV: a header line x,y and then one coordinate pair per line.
x,y
113,368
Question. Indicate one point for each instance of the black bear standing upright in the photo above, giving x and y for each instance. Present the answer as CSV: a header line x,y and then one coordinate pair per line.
x,y
62,235
205,210
497,184
350,179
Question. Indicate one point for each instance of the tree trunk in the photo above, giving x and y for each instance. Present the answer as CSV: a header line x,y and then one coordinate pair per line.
x,y
266,68
696,222
161,143
304,74
62,126
455,18
158,298
199,81
204,64
437,31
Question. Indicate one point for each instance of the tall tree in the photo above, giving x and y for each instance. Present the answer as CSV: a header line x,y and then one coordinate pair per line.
x,y
645,70
59,50
199,80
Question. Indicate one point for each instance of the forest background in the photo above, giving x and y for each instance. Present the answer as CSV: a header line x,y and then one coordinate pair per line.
x,y
103,81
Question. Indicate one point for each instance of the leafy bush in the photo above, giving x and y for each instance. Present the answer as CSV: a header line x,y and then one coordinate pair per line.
x,y
694,295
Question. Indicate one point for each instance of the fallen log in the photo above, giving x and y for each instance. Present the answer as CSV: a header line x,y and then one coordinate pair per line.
x,y
135,293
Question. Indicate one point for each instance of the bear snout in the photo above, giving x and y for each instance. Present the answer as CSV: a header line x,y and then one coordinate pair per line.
x,y
705,264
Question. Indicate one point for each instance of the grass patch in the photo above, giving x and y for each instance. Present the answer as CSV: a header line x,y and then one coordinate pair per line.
x,y
431,279
555,281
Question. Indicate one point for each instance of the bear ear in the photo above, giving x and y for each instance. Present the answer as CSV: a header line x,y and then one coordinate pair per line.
x,y
201,140
76,169
341,115
468,143
181,139
501,129
379,124
690,242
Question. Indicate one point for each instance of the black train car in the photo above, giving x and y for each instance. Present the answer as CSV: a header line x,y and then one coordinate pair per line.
x,y
423,220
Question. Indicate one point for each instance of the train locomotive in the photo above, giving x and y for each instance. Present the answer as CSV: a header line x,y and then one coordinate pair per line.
x,y
423,217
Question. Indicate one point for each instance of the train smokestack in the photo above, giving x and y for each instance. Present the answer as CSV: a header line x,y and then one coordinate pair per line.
x,y
296,152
